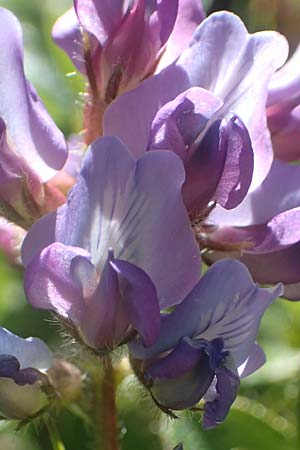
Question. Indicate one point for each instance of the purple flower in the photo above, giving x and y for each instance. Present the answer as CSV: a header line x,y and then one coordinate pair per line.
x,y
283,109
121,41
263,231
23,363
120,250
216,150
117,44
32,149
206,344
224,59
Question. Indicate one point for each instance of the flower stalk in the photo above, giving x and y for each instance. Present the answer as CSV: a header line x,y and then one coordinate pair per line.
x,y
94,106
105,410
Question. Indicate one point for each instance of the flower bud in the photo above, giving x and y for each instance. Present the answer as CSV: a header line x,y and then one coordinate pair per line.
x,y
66,379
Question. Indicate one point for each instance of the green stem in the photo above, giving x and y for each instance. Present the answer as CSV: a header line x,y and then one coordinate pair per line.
x,y
105,411
54,435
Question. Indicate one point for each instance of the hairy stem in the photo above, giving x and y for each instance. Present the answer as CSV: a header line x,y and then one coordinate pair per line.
x,y
93,118
94,106
105,412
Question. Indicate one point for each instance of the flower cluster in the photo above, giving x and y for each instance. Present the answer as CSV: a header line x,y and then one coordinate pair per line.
x,y
190,128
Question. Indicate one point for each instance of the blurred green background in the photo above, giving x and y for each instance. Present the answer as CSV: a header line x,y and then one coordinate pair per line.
x,y
266,414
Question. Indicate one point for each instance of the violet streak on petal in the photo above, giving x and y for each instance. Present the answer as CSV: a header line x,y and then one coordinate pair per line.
x,y
94,261
117,203
233,316
204,341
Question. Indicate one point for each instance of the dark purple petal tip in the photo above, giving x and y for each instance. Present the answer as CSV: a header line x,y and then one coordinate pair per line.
x,y
216,411
140,298
10,368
